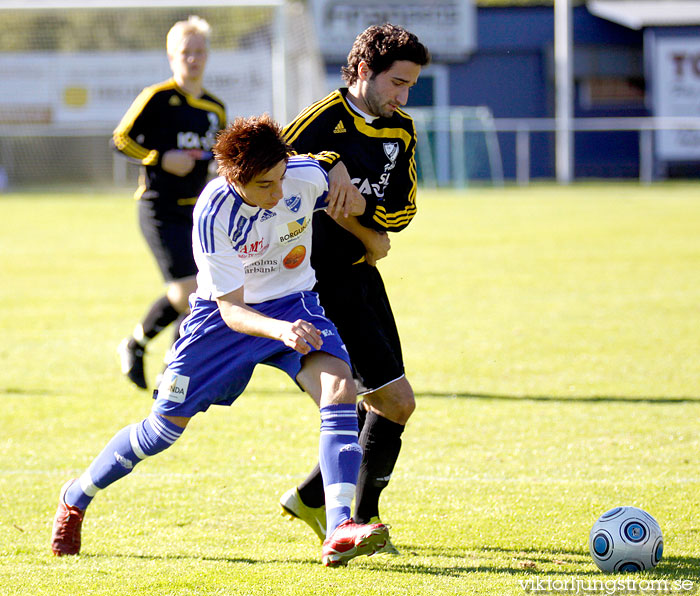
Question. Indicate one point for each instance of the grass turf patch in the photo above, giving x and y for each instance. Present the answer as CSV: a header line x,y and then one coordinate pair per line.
x,y
550,334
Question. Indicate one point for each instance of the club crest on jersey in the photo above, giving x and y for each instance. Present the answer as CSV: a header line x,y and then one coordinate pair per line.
x,y
293,203
289,232
391,150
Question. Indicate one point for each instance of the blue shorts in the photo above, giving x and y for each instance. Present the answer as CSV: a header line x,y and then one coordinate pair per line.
x,y
212,364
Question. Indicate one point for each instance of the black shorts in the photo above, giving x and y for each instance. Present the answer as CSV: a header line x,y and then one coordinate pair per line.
x,y
357,304
168,232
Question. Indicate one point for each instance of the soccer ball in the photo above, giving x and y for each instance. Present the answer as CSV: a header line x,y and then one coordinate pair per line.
x,y
626,539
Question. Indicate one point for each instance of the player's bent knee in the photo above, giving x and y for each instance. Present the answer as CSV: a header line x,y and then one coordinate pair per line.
x,y
403,408
177,300
395,402
178,293
408,405
405,399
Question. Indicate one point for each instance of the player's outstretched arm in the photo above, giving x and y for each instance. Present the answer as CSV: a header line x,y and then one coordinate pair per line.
x,y
299,335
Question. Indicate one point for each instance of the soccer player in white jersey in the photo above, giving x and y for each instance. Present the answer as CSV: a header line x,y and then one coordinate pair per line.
x,y
253,305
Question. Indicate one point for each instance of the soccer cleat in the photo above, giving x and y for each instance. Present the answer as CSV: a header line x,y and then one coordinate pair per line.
x,y
350,540
132,363
388,548
65,537
294,508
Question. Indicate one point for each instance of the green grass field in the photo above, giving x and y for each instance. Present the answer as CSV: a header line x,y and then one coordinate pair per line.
x,y
551,335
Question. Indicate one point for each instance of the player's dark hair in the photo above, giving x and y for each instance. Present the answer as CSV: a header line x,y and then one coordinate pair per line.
x,y
248,147
380,46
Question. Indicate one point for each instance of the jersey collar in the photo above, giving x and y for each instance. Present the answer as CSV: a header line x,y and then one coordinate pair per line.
x,y
367,117
353,108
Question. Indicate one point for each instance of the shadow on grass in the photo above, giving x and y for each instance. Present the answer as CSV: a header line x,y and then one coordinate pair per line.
x,y
524,562
23,392
197,557
662,399
493,560
457,562
563,399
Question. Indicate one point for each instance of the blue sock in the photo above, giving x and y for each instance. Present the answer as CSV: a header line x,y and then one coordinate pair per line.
x,y
339,457
126,449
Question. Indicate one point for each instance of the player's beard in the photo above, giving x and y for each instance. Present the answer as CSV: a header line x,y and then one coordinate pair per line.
x,y
376,104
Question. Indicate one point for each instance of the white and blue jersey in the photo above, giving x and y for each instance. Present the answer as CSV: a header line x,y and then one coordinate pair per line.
x,y
268,253
265,251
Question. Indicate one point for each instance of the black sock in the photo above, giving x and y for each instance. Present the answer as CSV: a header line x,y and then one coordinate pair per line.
x,y
381,442
158,317
311,490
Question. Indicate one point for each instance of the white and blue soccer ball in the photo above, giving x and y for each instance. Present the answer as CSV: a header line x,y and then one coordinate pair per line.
x,y
626,539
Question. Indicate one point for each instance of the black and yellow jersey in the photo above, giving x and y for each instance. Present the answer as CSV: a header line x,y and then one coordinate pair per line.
x,y
165,117
380,158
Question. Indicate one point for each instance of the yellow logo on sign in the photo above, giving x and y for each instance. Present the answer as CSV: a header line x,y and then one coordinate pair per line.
x,y
75,97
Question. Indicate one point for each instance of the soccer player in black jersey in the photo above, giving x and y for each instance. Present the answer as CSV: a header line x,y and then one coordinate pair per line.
x,y
364,125
170,129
